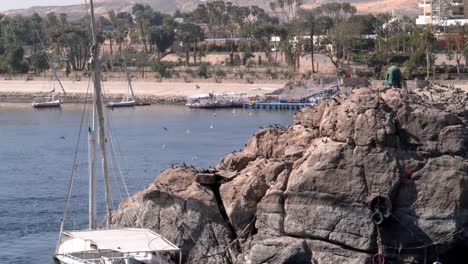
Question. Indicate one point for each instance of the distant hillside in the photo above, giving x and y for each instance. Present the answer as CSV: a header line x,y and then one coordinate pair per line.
x,y
103,6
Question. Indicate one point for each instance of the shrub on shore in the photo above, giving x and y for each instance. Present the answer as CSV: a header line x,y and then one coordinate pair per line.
x,y
163,68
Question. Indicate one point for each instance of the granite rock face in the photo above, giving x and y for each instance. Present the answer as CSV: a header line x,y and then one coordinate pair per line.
x,y
363,171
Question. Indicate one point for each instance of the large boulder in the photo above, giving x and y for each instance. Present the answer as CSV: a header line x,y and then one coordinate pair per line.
x,y
366,172
183,211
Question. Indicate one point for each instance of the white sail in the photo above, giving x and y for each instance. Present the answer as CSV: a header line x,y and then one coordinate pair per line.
x,y
129,99
50,100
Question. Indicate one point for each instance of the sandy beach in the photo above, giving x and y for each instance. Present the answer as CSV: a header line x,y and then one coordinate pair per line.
x,y
148,91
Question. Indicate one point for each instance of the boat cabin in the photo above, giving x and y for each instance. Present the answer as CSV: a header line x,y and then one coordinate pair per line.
x,y
126,246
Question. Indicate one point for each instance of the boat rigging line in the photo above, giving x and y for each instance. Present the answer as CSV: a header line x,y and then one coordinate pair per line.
x,y
49,61
74,167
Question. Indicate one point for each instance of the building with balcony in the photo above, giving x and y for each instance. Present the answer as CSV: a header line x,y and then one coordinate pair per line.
x,y
443,12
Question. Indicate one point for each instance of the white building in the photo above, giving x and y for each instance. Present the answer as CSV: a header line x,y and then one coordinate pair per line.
x,y
443,12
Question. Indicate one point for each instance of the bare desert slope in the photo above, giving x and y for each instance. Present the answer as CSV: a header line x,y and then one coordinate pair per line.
x,y
103,6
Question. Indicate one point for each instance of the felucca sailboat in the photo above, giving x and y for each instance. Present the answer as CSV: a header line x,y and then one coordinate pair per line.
x,y
108,245
129,99
49,100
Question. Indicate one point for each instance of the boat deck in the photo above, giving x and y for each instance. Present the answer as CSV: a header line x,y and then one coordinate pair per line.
x,y
92,257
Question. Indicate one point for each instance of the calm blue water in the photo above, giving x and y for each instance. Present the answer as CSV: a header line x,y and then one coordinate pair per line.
x,y
37,149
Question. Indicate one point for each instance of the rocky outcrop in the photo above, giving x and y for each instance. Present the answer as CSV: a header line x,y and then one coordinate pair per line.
x,y
363,173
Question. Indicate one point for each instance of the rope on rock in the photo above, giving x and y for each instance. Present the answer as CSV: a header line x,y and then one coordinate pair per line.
x,y
379,258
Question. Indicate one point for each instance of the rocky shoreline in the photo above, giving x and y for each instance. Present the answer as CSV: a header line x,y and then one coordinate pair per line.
x,y
369,174
77,98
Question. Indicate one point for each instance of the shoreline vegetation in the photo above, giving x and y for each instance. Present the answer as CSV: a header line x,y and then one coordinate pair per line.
x,y
149,91
173,91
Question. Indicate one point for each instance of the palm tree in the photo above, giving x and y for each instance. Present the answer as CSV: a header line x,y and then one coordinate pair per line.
x,y
428,41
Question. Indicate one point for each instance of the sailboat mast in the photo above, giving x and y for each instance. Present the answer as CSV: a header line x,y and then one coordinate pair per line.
x,y
92,212
129,82
96,64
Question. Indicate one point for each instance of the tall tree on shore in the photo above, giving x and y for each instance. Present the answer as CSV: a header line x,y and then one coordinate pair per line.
x,y
142,14
456,41
189,34
53,30
162,38
428,43
286,10
125,24
313,23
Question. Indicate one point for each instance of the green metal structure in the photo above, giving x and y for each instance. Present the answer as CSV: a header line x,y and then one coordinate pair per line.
x,y
393,78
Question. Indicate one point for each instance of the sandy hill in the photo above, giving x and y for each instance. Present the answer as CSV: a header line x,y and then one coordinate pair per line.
x,y
102,6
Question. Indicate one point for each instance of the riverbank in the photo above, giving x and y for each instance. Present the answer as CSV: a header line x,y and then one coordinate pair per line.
x,y
172,91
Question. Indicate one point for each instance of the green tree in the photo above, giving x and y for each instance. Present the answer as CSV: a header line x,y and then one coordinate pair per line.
x,y
40,61
142,14
428,44
123,24
456,41
53,31
286,10
15,61
162,38
76,44
163,68
343,37
189,34
313,23
415,60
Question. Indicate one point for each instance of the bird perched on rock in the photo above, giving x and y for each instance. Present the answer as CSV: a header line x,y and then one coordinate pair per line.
x,y
197,86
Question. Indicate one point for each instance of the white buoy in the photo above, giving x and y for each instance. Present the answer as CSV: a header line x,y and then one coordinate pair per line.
x,y
188,131
211,126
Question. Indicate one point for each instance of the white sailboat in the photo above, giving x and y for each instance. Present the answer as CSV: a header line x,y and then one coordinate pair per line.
x,y
107,246
50,100
129,99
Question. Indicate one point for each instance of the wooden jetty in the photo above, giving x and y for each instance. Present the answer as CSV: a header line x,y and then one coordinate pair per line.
x,y
277,105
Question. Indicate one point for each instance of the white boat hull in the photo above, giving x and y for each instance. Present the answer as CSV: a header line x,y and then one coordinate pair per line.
x,y
122,104
55,103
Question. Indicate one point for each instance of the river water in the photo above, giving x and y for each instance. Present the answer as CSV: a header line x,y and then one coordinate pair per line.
x,y
37,150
